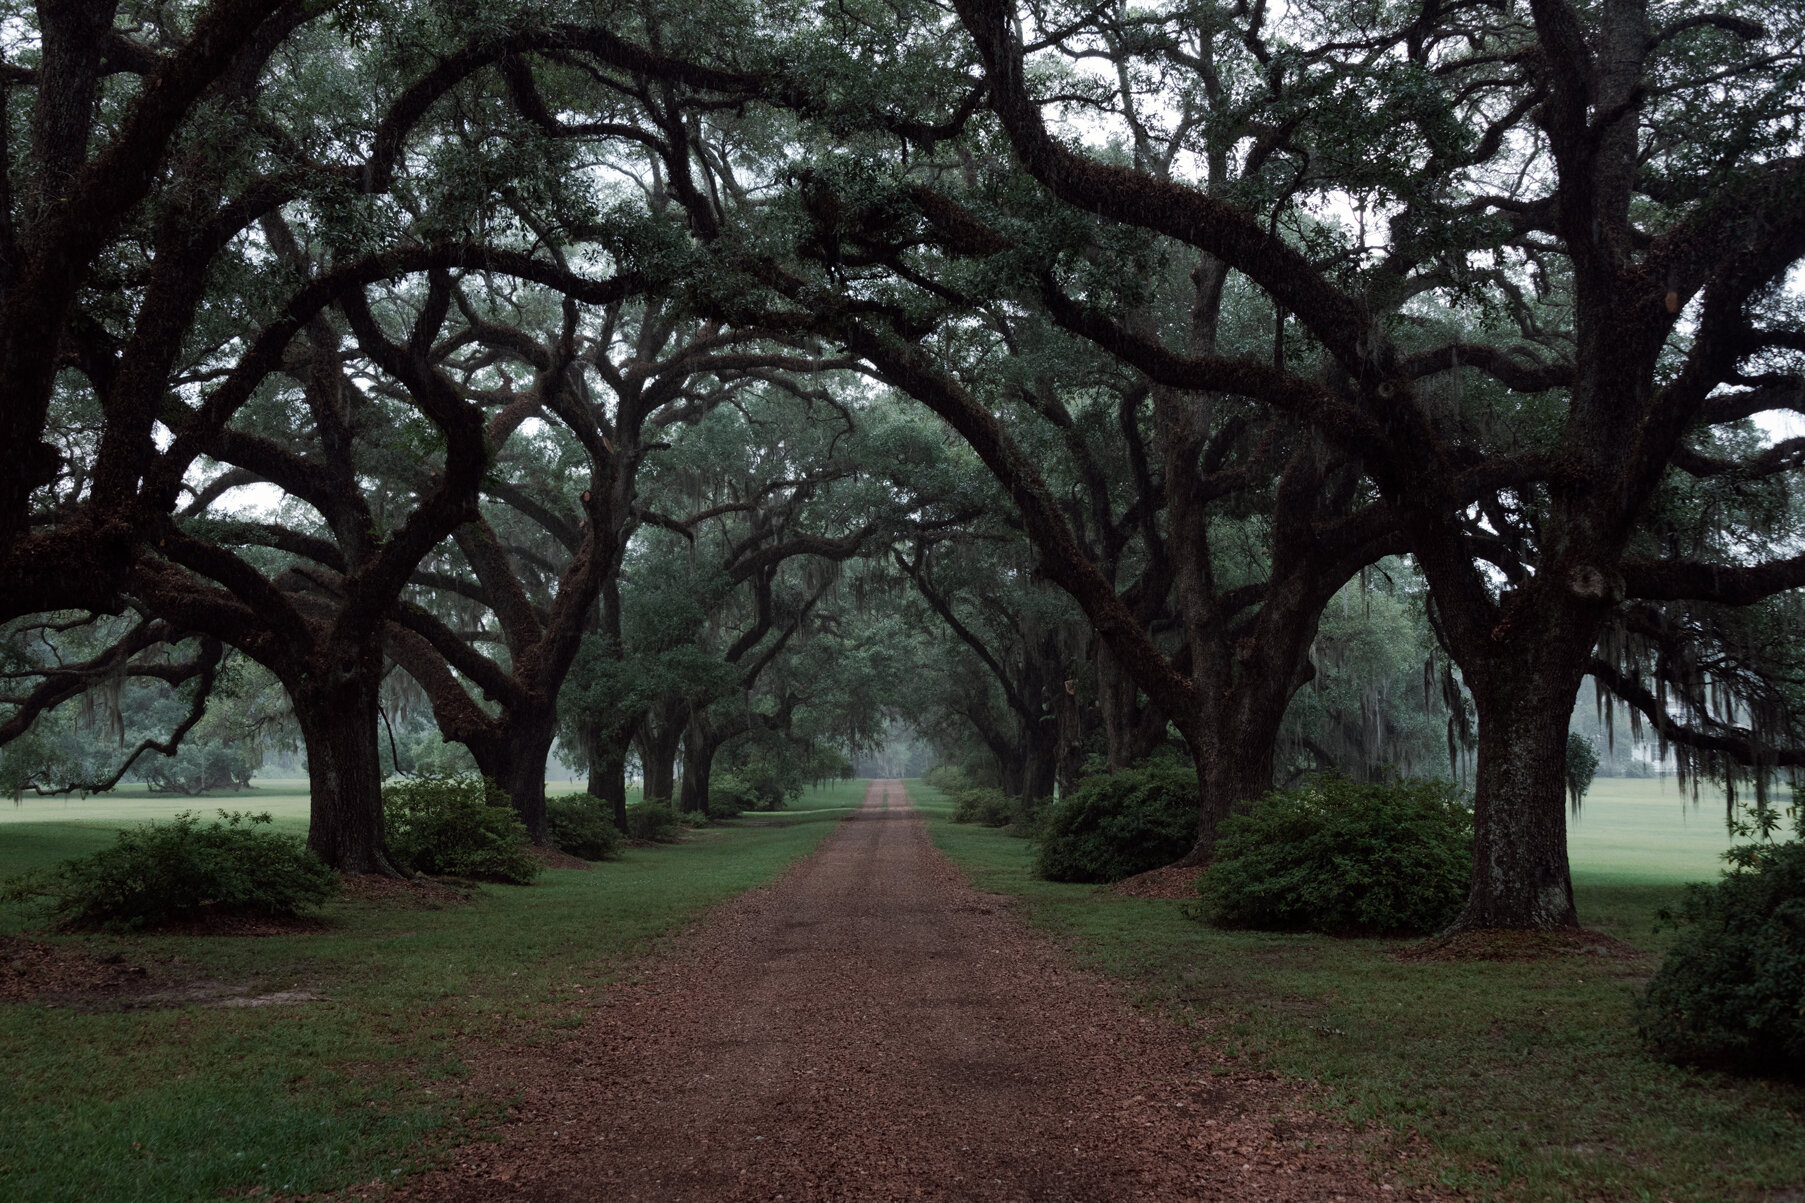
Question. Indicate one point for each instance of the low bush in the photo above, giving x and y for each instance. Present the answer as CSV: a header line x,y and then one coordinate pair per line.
x,y
729,796
1729,992
164,871
582,825
1343,857
654,821
949,779
1115,826
456,827
986,807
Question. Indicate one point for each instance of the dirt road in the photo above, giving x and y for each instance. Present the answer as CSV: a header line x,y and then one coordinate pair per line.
x,y
871,1028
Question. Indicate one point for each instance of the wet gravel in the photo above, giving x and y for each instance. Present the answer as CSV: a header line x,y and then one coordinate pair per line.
x,y
871,1028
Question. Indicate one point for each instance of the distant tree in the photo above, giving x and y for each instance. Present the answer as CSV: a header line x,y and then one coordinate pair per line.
x,y
1582,764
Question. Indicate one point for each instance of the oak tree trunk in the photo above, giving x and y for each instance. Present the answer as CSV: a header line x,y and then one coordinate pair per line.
x,y
1520,872
658,754
529,744
1040,763
698,766
608,781
338,720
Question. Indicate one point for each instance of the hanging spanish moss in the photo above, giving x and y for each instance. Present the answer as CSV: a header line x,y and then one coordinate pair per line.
x,y
1718,689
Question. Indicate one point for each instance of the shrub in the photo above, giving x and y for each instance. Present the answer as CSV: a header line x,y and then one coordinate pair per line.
x,y
1115,826
1343,857
652,821
1729,991
987,807
163,871
729,796
582,826
456,827
949,779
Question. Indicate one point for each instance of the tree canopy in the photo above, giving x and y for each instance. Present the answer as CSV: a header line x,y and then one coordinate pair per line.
x,y
1338,387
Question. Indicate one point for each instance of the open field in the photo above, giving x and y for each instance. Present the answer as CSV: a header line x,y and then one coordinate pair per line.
x,y
1523,1079
1643,830
39,831
176,1102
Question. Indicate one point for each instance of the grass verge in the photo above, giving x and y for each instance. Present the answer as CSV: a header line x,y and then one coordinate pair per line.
x,y
1524,1078
188,1102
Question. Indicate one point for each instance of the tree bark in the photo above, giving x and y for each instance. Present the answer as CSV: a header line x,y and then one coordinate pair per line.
x,y
515,760
1523,687
658,755
1239,772
1520,872
337,714
608,772
1040,762
1132,727
1010,766
699,747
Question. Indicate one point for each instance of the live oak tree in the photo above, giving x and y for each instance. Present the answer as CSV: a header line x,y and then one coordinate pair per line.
x,y
192,336
267,106
1498,278
1028,645
612,386
1561,148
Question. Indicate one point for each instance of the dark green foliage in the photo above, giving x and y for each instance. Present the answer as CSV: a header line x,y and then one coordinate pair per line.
x,y
949,779
1582,766
1732,990
731,795
986,807
164,871
653,821
769,776
1344,857
582,826
1115,826
196,769
456,827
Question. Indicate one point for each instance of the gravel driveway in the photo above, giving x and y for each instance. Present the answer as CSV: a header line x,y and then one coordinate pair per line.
x,y
871,1028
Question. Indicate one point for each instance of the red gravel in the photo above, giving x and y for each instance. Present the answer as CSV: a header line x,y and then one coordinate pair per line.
x,y
872,1028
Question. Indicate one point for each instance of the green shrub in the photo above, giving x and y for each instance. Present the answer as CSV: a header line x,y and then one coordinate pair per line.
x,y
163,871
986,807
1342,857
1112,827
949,779
582,825
652,821
729,796
456,827
1732,989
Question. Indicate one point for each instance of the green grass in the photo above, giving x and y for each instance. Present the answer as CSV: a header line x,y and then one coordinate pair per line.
x,y
41,831
189,1102
1643,831
1524,1079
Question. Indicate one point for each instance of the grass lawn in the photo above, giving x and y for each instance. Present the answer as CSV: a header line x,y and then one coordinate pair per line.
x,y
1643,831
41,831
1524,1079
190,1102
